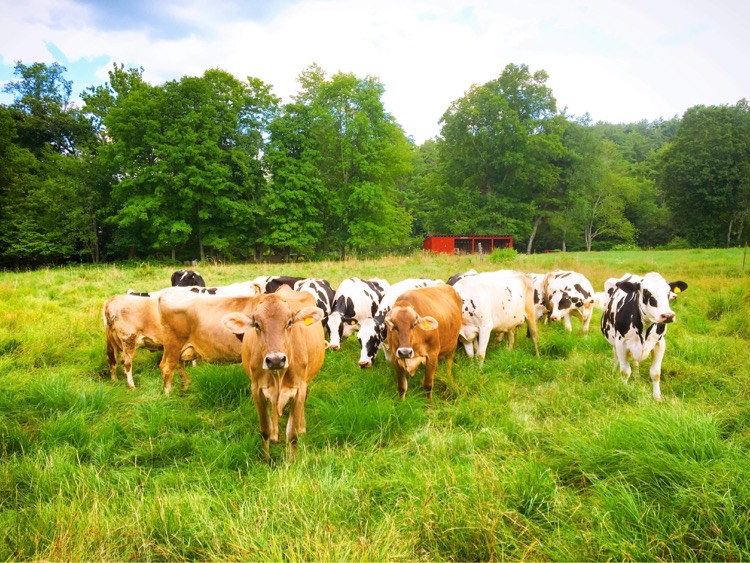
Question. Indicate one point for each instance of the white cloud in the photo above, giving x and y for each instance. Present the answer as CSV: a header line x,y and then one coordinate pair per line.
x,y
618,61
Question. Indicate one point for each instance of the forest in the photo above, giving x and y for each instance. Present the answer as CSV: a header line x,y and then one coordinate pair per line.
x,y
218,168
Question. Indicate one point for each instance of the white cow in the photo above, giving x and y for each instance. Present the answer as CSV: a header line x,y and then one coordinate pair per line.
x,y
495,302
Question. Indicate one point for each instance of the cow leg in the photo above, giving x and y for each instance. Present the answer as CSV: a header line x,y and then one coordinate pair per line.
x,y
167,366
112,359
401,381
586,316
566,322
127,365
485,331
621,352
429,375
264,418
468,347
656,357
296,422
184,377
511,339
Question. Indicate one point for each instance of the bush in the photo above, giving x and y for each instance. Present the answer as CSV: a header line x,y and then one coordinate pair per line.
x,y
503,255
677,243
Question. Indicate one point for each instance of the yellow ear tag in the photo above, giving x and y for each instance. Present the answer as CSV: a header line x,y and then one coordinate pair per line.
x,y
426,325
677,290
308,321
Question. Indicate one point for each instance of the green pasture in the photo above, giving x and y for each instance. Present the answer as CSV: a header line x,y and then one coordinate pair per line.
x,y
549,458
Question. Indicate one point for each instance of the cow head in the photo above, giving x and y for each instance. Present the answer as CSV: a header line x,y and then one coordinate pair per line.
x,y
404,325
654,295
371,335
562,303
273,320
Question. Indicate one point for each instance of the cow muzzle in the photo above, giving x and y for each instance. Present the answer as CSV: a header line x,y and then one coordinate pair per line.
x,y
405,353
365,364
668,318
275,361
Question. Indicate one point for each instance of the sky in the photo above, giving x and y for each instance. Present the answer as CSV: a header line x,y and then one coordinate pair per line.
x,y
620,61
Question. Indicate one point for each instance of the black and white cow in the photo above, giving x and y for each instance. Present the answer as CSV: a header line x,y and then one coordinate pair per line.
x,y
372,331
269,284
187,278
635,321
355,300
323,293
495,302
457,277
241,289
562,294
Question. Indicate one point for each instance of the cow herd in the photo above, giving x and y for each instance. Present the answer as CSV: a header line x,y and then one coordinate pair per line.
x,y
277,326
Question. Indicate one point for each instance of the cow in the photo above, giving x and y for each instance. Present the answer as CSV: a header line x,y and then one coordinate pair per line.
x,y
192,328
283,348
456,277
323,293
269,284
495,302
130,322
372,332
635,322
565,293
422,327
355,300
187,277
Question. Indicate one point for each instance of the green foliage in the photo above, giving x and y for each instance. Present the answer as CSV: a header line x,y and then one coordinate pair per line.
x,y
503,255
706,168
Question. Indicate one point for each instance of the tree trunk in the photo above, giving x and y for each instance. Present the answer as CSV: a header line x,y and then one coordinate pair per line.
x,y
131,253
343,252
200,246
729,232
530,246
174,254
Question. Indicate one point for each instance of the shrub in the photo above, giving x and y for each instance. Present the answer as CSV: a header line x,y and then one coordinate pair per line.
x,y
503,255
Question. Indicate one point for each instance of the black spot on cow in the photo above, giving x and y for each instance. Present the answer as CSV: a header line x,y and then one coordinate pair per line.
x,y
140,294
375,287
195,290
648,298
582,291
565,302
565,275
537,298
211,290
275,282
454,278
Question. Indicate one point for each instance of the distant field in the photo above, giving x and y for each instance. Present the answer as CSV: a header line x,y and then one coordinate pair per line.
x,y
549,458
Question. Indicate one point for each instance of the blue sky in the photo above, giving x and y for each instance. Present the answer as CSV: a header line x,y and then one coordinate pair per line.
x,y
619,61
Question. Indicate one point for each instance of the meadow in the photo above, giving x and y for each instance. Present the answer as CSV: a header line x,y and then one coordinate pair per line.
x,y
549,458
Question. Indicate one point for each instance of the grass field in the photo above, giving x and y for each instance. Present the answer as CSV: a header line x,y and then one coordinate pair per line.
x,y
549,458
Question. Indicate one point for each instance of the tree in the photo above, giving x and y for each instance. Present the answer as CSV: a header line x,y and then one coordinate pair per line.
x,y
188,157
364,157
501,153
705,174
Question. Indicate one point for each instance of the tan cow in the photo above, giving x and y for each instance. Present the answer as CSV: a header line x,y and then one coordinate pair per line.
x,y
281,355
423,326
192,328
130,322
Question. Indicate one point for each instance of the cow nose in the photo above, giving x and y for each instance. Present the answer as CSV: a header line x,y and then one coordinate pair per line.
x,y
364,365
334,347
667,318
554,317
404,353
276,361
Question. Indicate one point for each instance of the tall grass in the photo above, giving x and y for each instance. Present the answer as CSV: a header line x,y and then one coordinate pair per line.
x,y
525,458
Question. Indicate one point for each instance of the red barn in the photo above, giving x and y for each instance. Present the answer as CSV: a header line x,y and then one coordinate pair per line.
x,y
466,244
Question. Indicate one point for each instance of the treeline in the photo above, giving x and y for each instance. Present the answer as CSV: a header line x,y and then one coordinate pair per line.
x,y
213,166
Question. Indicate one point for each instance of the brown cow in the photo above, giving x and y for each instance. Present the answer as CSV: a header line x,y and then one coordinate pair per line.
x,y
281,356
130,322
192,328
423,326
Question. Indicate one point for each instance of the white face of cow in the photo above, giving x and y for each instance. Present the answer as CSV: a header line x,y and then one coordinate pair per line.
x,y
370,340
654,297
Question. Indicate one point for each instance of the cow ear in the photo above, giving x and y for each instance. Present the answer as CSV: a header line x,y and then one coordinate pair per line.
x,y
387,321
678,286
427,323
628,287
238,323
309,315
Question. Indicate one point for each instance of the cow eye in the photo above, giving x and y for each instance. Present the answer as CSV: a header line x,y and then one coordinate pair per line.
x,y
290,323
